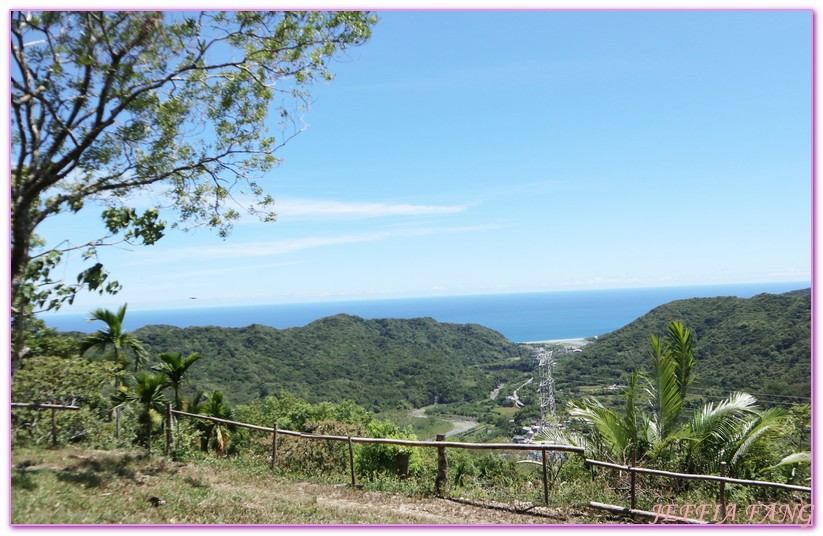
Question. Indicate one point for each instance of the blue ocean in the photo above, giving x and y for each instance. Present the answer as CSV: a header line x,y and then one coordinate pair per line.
x,y
523,317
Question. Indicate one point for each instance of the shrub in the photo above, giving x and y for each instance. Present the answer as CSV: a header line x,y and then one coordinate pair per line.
x,y
63,381
318,456
374,459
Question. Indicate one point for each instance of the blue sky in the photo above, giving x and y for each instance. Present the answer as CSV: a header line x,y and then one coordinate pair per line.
x,y
484,152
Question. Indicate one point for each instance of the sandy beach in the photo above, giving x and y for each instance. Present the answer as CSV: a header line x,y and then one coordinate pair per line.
x,y
564,342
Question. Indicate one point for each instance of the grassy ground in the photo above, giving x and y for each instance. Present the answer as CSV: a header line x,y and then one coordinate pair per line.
x,y
424,427
80,486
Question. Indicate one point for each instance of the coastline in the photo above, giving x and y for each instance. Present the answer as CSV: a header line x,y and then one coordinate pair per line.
x,y
565,342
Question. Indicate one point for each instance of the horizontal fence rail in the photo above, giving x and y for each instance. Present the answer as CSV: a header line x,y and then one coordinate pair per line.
x,y
22,405
54,409
441,445
688,476
401,442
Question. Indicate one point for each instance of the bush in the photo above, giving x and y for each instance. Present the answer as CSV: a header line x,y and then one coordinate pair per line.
x,y
374,459
318,456
63,381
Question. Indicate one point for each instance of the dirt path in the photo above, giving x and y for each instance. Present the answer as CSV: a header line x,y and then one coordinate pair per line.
x,y
110,487
458,426
496,391
369,507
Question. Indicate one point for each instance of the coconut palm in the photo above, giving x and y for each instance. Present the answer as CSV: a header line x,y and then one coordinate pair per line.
x,y
148,394
174,366
115,343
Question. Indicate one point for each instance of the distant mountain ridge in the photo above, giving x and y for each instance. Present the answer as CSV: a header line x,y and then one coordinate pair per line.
x,y
761,345
380,364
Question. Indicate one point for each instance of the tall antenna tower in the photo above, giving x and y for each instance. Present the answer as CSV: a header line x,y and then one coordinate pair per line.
x,y
548,411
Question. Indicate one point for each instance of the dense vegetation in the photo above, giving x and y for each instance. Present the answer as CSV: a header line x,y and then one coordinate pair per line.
x,y
379,364
342,368
761,345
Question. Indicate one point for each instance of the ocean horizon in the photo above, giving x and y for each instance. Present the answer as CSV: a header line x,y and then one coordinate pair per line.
x,y
521,317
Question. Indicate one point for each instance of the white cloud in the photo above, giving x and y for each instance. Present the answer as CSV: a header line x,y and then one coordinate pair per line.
x,y
294,208
282,247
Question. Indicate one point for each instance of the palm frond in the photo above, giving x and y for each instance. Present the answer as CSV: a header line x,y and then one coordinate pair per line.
x,y
665,399
680,342
114,339
716,426
608,424
792,459
755,431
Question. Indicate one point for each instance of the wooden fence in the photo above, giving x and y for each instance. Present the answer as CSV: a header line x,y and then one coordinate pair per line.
x,y
54,409
440,444
442,462
722,479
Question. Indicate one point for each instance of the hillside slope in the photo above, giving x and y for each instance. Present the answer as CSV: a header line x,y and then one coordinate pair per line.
x,y
761,345
379,364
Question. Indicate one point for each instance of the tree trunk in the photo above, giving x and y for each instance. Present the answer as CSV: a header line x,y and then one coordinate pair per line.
x,y
21,232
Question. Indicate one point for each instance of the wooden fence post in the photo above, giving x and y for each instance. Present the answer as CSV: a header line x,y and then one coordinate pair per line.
x,y
632,479
441,482
545,478
274,447
723,492
118,411
168,428
54,427
351,464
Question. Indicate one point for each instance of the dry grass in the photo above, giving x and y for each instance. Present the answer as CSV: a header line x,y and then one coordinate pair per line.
x,y
78,486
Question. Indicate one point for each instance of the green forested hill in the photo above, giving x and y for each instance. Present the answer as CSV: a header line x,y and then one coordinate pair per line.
x,y
761,345
380,364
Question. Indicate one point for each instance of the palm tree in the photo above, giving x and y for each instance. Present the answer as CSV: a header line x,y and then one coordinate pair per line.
x,y
619,436
148,394
174,367
115,344
733,430
113,341
214,434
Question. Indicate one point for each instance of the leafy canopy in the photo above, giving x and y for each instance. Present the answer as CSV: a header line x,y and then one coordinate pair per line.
x,y
176,105
113,342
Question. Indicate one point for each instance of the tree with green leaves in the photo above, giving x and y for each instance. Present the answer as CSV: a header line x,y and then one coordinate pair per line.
x,y
72,381
115,345
178,105
147,393
113,342
174,366
214,435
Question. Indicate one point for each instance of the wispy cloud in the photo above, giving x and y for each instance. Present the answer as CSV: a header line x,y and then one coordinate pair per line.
x,y
282,247
298,208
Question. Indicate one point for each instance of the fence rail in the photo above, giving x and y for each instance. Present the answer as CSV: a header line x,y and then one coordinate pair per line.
x,y
42,406
387,441
54,409
689,476
440,444
442,465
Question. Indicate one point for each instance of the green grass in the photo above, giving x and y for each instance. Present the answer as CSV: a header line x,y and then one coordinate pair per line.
x,y
72,485
75,486
424,428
